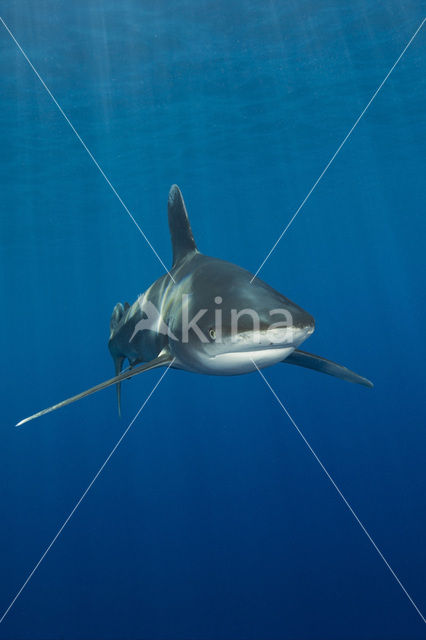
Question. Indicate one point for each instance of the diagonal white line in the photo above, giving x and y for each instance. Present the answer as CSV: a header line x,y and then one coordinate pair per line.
x,y
340,494
333,157
84,494
90,154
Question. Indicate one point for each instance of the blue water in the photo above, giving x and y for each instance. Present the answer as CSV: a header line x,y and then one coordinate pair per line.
x,y
212,520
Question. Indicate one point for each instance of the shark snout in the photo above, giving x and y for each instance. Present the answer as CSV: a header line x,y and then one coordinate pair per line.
x,y
303,327
300,318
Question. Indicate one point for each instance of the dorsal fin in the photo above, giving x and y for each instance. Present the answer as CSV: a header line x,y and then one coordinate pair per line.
x,y
180,230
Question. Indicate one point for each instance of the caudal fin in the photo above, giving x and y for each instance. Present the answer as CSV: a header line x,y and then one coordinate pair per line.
x,y
118,362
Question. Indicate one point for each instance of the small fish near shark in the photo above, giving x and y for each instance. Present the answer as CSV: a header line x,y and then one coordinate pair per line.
x,y
206,316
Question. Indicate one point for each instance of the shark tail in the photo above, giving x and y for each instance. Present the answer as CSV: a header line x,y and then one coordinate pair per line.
x,y
114,325
118,362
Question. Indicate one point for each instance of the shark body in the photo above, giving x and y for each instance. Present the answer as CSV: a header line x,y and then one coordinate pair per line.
x,y
207,316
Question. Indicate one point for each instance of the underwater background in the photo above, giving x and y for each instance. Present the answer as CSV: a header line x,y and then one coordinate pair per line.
x,y
213,520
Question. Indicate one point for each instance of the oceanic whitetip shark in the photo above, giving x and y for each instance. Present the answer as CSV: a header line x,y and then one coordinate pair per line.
x,y
207,316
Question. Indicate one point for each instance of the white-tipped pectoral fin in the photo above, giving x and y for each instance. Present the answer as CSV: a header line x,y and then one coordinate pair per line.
x,y
310,361
161,361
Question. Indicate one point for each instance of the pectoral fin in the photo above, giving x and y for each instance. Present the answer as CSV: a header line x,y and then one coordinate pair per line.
x,y
310,361
161,361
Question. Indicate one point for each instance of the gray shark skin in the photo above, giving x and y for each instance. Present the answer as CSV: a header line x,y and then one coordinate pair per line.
x,y
184,320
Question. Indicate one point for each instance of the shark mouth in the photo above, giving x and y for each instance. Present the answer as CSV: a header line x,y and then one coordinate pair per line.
x,y
237,362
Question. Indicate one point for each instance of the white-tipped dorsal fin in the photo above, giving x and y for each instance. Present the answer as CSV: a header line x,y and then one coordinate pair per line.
x,y
183,241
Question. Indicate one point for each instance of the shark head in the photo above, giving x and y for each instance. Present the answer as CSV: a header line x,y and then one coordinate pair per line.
x,y
229,325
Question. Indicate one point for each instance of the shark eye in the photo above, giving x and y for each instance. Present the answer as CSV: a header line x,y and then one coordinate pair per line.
x,y
212,334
